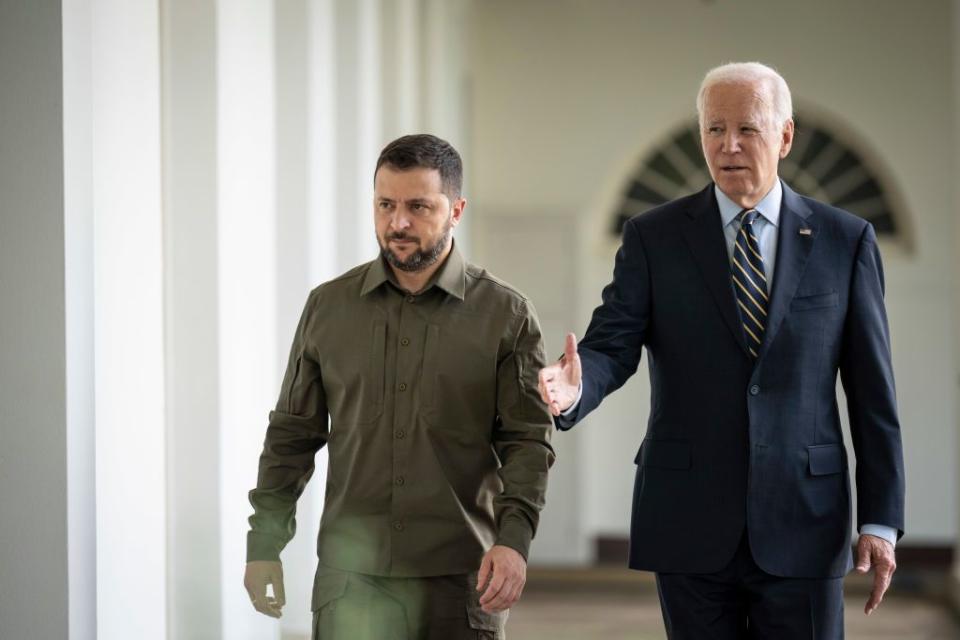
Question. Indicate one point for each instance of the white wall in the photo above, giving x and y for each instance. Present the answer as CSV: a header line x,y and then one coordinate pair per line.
x,y
33,410
568,95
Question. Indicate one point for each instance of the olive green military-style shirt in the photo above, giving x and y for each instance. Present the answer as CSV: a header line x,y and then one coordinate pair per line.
x,y
438,441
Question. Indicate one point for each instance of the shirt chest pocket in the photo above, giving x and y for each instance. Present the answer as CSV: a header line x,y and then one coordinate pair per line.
x,y
458,384
353,373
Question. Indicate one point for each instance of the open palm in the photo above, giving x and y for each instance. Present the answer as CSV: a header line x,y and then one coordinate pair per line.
x,y
560,382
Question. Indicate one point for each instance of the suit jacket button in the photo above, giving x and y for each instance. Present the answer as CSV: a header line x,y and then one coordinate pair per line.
x,y
754,390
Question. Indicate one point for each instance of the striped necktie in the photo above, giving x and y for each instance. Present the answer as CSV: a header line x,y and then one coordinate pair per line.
x,y
750,281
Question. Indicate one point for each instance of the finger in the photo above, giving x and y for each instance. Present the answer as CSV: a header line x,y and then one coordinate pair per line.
x,y
484,574
514,595
874,601
546,375
546,378
542,389
256,592
570,348
278,591
504,599
494,588
881,582
863,556
273,607
261,605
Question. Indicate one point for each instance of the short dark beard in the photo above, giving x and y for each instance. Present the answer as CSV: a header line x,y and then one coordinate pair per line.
x,y
419,259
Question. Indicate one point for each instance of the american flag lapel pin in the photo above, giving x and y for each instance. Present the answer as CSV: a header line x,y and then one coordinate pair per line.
x,y
806,231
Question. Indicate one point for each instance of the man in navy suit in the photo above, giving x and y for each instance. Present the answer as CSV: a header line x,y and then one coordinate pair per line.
x,y
749,299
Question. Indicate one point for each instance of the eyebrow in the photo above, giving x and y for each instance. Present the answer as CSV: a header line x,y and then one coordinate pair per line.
x,y
417,200
752,123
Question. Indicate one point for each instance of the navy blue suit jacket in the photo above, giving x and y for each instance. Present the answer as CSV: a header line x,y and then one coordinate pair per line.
x,y
732,444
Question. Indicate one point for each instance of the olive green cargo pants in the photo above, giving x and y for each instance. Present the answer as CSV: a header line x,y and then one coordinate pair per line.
x,y
353,606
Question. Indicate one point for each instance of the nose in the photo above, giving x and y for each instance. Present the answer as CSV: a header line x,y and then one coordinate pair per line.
x,y
399,220
731,141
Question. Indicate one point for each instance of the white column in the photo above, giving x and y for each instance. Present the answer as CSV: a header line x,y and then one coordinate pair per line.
x,y
33,409
246,229
294,179
358,139
401,67
128,284
445,87
189,51
79,258
322,218
446,36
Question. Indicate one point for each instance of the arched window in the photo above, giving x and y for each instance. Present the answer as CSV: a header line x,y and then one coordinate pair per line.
x,y
820,165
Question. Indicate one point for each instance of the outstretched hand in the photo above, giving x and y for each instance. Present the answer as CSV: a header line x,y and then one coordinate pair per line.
x,y
876,553
258,575
560,382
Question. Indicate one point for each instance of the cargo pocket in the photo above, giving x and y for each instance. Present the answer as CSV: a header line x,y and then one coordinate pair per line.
x,y
329,586
489,626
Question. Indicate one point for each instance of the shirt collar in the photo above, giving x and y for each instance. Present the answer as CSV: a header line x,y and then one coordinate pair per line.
x,y
769,206
451,276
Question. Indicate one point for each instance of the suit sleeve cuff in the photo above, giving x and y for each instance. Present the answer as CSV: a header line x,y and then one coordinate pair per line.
x,y
881,531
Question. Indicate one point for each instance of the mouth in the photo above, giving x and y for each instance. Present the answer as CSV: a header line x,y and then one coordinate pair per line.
x,y
733,168
402,242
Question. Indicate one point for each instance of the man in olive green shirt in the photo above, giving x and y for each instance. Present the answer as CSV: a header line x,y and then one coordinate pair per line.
x,y
419,372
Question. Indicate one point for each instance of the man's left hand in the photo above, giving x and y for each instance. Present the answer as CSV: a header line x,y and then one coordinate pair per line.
x,y
503,572
876,553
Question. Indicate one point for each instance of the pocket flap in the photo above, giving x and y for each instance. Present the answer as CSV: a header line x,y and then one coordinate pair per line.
x,y
480,620
477,618
826,459
816,301
664,454
328,585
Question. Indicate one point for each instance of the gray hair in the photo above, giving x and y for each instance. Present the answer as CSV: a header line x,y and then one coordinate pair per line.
x,y
750,72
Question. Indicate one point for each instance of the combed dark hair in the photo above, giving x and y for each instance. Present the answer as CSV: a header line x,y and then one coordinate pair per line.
x,y
429,152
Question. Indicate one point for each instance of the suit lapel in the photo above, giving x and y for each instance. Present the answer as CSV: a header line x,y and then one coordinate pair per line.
x,y
793,250
703,233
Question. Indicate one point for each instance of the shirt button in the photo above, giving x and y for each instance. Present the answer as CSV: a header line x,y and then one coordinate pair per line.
x,y
403,386
400,481
398,526
399,434
410,298
754,390
405,341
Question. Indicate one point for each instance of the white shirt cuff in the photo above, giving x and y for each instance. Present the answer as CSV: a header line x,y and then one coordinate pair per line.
x,y
881,531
